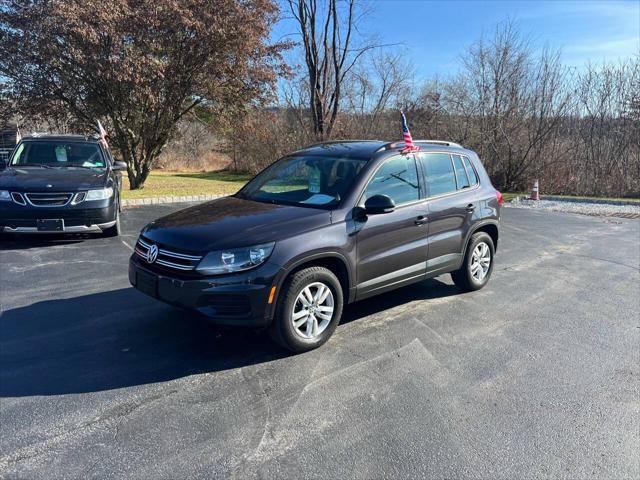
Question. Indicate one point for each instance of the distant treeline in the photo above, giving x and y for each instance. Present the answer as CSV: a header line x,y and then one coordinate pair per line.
x,y
526,115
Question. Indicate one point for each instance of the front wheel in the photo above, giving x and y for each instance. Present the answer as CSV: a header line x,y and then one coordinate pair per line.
x,y
308,310
114,230
478,263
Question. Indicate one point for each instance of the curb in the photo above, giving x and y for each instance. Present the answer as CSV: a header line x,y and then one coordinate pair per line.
x,y
134,202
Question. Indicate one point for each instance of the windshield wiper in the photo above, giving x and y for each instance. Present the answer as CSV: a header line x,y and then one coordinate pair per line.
x,y
41,165
75,166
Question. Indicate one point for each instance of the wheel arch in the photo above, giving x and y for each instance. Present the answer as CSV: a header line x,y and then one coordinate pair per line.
x,y
490,227
336,262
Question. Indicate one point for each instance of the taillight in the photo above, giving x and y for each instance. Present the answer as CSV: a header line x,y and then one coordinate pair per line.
x,y
499,197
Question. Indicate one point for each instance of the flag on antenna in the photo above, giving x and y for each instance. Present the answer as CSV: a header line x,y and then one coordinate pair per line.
x,y
103,135
406,134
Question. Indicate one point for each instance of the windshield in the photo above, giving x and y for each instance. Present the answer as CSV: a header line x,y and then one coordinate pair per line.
x,y
308,181
58,154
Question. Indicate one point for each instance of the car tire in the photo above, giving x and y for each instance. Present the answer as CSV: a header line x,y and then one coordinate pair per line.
x,y
114,230
475,272
299,324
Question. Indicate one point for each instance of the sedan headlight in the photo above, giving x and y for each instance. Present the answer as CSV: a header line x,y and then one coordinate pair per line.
x,y
235,259
101,194
5,196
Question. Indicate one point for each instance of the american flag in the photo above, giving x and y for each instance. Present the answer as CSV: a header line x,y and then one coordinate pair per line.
x,y
408,141
103,135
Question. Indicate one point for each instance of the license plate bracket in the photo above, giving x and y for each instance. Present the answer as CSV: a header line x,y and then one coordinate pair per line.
x,y
147,283
50,225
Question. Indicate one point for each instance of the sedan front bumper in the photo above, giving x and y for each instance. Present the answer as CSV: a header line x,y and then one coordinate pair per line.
x,y
87,217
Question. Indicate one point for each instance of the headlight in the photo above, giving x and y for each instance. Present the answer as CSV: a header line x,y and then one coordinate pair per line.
x,y
235,259
5,196
101,194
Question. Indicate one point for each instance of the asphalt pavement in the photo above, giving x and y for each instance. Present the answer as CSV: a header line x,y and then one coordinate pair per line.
x,y
537,375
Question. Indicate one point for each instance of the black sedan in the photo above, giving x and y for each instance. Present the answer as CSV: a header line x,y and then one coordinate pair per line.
x,y
60,184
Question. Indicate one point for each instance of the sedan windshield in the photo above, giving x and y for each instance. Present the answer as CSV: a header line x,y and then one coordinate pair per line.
x,y
308,181
58,154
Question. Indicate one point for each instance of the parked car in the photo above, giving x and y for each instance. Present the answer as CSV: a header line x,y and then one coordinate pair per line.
x,y
325,226
60,184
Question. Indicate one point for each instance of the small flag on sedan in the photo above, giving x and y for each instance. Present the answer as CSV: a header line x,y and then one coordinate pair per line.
x,y
103,135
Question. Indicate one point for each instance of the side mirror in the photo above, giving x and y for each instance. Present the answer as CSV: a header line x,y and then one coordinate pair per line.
x,y
118,166
3,164
379,204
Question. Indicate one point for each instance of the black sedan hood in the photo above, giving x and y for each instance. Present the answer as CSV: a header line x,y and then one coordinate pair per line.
x,y
36,179
232,222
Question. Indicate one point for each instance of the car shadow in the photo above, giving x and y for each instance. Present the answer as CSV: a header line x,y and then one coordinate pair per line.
x,y
426,290
121,338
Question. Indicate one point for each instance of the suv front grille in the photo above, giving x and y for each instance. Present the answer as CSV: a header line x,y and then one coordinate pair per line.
x,y
167,258
52,199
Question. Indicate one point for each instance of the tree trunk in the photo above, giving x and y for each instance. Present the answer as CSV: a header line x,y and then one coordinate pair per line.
x,y
138,169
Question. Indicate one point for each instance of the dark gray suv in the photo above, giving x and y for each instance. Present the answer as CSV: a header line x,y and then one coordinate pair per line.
x,y
327,225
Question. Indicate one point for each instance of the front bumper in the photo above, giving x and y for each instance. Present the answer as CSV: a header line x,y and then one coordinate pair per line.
x,y
234,299
81,218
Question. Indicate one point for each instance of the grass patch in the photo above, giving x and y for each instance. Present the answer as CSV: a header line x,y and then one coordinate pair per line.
x,y
176,184
508,196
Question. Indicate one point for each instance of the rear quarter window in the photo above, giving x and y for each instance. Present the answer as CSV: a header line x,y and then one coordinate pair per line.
x,y
473,177
461,173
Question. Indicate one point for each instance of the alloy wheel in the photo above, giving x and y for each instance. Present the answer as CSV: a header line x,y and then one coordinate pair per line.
x,y
313,310
480,261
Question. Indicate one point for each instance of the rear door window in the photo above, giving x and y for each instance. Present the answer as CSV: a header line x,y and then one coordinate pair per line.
x,y
439,173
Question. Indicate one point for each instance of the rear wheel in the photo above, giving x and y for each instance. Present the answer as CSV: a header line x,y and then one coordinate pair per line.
x,y
478,263
308,310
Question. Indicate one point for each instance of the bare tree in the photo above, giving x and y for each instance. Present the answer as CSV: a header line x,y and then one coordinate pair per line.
x,y
327,32
375,87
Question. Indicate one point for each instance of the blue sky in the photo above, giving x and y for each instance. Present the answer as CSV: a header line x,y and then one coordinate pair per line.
x,y
435,33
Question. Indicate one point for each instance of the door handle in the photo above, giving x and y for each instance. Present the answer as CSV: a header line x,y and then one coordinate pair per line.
x,y
420,220
471,207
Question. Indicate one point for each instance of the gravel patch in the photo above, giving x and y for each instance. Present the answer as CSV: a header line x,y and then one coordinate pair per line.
x,y
598,209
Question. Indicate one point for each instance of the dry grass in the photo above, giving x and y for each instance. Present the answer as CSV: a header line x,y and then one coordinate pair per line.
x,y
173,184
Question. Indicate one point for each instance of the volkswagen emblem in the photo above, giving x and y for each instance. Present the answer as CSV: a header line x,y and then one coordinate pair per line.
x,y
152,254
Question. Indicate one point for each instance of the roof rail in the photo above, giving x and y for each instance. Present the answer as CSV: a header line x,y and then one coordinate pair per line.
x,y
399,143
440,142
329,142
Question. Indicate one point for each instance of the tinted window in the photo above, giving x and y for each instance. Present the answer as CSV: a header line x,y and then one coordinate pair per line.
x,y
59,154
472,173
314,181
439,171
461,174
396,178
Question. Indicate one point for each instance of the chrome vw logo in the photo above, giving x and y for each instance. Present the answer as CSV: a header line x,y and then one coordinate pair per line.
x,y
152,254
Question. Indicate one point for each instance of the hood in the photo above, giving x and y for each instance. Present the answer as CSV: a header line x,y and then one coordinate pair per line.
x,y
232,222
34,179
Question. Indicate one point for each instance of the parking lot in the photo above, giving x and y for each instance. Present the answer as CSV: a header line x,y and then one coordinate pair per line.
x,y
537,375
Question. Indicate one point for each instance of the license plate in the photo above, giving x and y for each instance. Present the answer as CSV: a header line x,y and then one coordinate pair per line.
x,y
50,225
147,283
